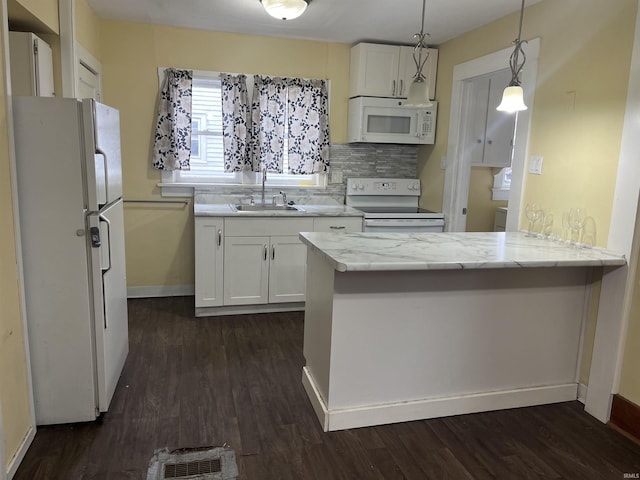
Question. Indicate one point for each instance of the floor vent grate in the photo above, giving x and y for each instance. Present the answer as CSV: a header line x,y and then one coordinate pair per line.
x,y
205,463
197,467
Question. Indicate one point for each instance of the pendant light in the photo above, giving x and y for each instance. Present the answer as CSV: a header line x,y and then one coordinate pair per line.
x,y
285,9
513,96
419,88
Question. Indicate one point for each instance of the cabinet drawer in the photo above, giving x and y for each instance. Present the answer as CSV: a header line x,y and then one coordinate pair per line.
x,y
337,224
266,226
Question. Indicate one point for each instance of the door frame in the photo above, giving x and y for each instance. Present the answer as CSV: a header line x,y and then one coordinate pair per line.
x,y
458,172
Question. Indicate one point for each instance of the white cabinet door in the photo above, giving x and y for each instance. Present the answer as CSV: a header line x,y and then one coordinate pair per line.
x,y
209,235
374,70
337,224
387,70
407,69
287,270
500,125
477,97
43,68
31,65
489,138
246,270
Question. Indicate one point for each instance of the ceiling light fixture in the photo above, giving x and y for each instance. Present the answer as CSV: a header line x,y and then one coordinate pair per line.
x,y
419,88
513,96
285,9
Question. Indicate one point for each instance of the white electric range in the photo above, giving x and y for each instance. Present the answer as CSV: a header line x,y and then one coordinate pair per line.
x,y
391,205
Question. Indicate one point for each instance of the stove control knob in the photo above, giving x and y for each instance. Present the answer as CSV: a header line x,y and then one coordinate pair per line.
x,y
354,186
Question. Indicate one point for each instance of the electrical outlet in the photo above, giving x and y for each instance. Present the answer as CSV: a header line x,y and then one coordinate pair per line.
x,y
535,165
336,176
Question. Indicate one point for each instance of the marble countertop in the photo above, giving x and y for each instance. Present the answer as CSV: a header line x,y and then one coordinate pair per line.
x,y
225,210
354,252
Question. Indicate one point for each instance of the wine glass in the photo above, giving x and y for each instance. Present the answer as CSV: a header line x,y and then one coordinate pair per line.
x,y
576,222
566,228
533,214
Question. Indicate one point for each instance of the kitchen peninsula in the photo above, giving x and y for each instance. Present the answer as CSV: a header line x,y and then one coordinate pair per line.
x,y
402,327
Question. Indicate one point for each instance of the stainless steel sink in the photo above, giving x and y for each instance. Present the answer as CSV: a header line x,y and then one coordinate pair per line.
x,y
265,208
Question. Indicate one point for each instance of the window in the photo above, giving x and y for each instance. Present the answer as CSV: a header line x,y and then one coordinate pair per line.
x,y
207,161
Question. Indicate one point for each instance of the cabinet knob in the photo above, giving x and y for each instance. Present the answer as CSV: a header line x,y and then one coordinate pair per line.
x,y
490,142
479,140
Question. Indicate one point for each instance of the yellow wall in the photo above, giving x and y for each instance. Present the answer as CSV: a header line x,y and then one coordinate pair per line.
x,y
481,208
88,28
159,239
579,106
14,396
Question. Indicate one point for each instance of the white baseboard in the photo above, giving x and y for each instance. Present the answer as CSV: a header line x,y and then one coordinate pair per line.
x,y
244,309
432,407
160,291
582,393
14,463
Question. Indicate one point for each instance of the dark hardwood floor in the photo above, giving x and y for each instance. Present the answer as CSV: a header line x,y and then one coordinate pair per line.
x,y
236,381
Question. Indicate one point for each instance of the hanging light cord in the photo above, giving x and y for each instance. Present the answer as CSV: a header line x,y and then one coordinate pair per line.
x,y
417,50
516,67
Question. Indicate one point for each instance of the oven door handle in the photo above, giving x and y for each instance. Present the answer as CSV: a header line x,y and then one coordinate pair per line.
x,y
409,223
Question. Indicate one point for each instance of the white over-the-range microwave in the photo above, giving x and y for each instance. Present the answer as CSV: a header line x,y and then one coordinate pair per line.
x,y
387,120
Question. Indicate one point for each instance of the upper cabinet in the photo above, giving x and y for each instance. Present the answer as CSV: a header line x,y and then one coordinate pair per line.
x,y
31,65
387,70
489,133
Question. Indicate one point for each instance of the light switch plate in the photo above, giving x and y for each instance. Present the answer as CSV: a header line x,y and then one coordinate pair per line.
x,y
535,165
443,163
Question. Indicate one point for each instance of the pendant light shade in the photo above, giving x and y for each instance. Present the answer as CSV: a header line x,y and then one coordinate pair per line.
x,y
418,94
513,96
512,100
285,9
419,88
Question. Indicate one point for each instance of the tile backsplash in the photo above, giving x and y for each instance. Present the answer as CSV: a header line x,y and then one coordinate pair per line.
x,y
347,160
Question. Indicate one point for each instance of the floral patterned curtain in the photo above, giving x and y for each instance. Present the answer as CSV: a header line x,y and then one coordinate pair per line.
x,y
268,114
235,117
172,141
308,126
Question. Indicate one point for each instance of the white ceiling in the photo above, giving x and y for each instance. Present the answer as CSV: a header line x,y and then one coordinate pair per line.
x,y
344,21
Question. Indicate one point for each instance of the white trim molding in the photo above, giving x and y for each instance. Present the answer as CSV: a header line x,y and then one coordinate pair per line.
x,y
341,419
624,236
151,291
458,172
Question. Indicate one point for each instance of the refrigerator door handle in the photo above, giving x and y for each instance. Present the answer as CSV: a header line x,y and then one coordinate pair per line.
x,y
105,164
106,220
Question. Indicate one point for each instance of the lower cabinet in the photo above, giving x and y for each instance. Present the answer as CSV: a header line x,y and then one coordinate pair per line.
x,y
246,267
287,270
209,259
256,261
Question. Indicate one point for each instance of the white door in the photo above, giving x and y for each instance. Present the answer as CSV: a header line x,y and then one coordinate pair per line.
x,y
209,264
88,83
110,299
287,270
246,270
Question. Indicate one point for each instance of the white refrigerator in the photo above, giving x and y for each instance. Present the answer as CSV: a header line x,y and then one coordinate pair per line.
x,y
72,230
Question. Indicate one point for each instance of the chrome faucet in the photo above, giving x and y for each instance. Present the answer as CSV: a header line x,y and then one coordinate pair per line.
x,y
284,199
264,179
